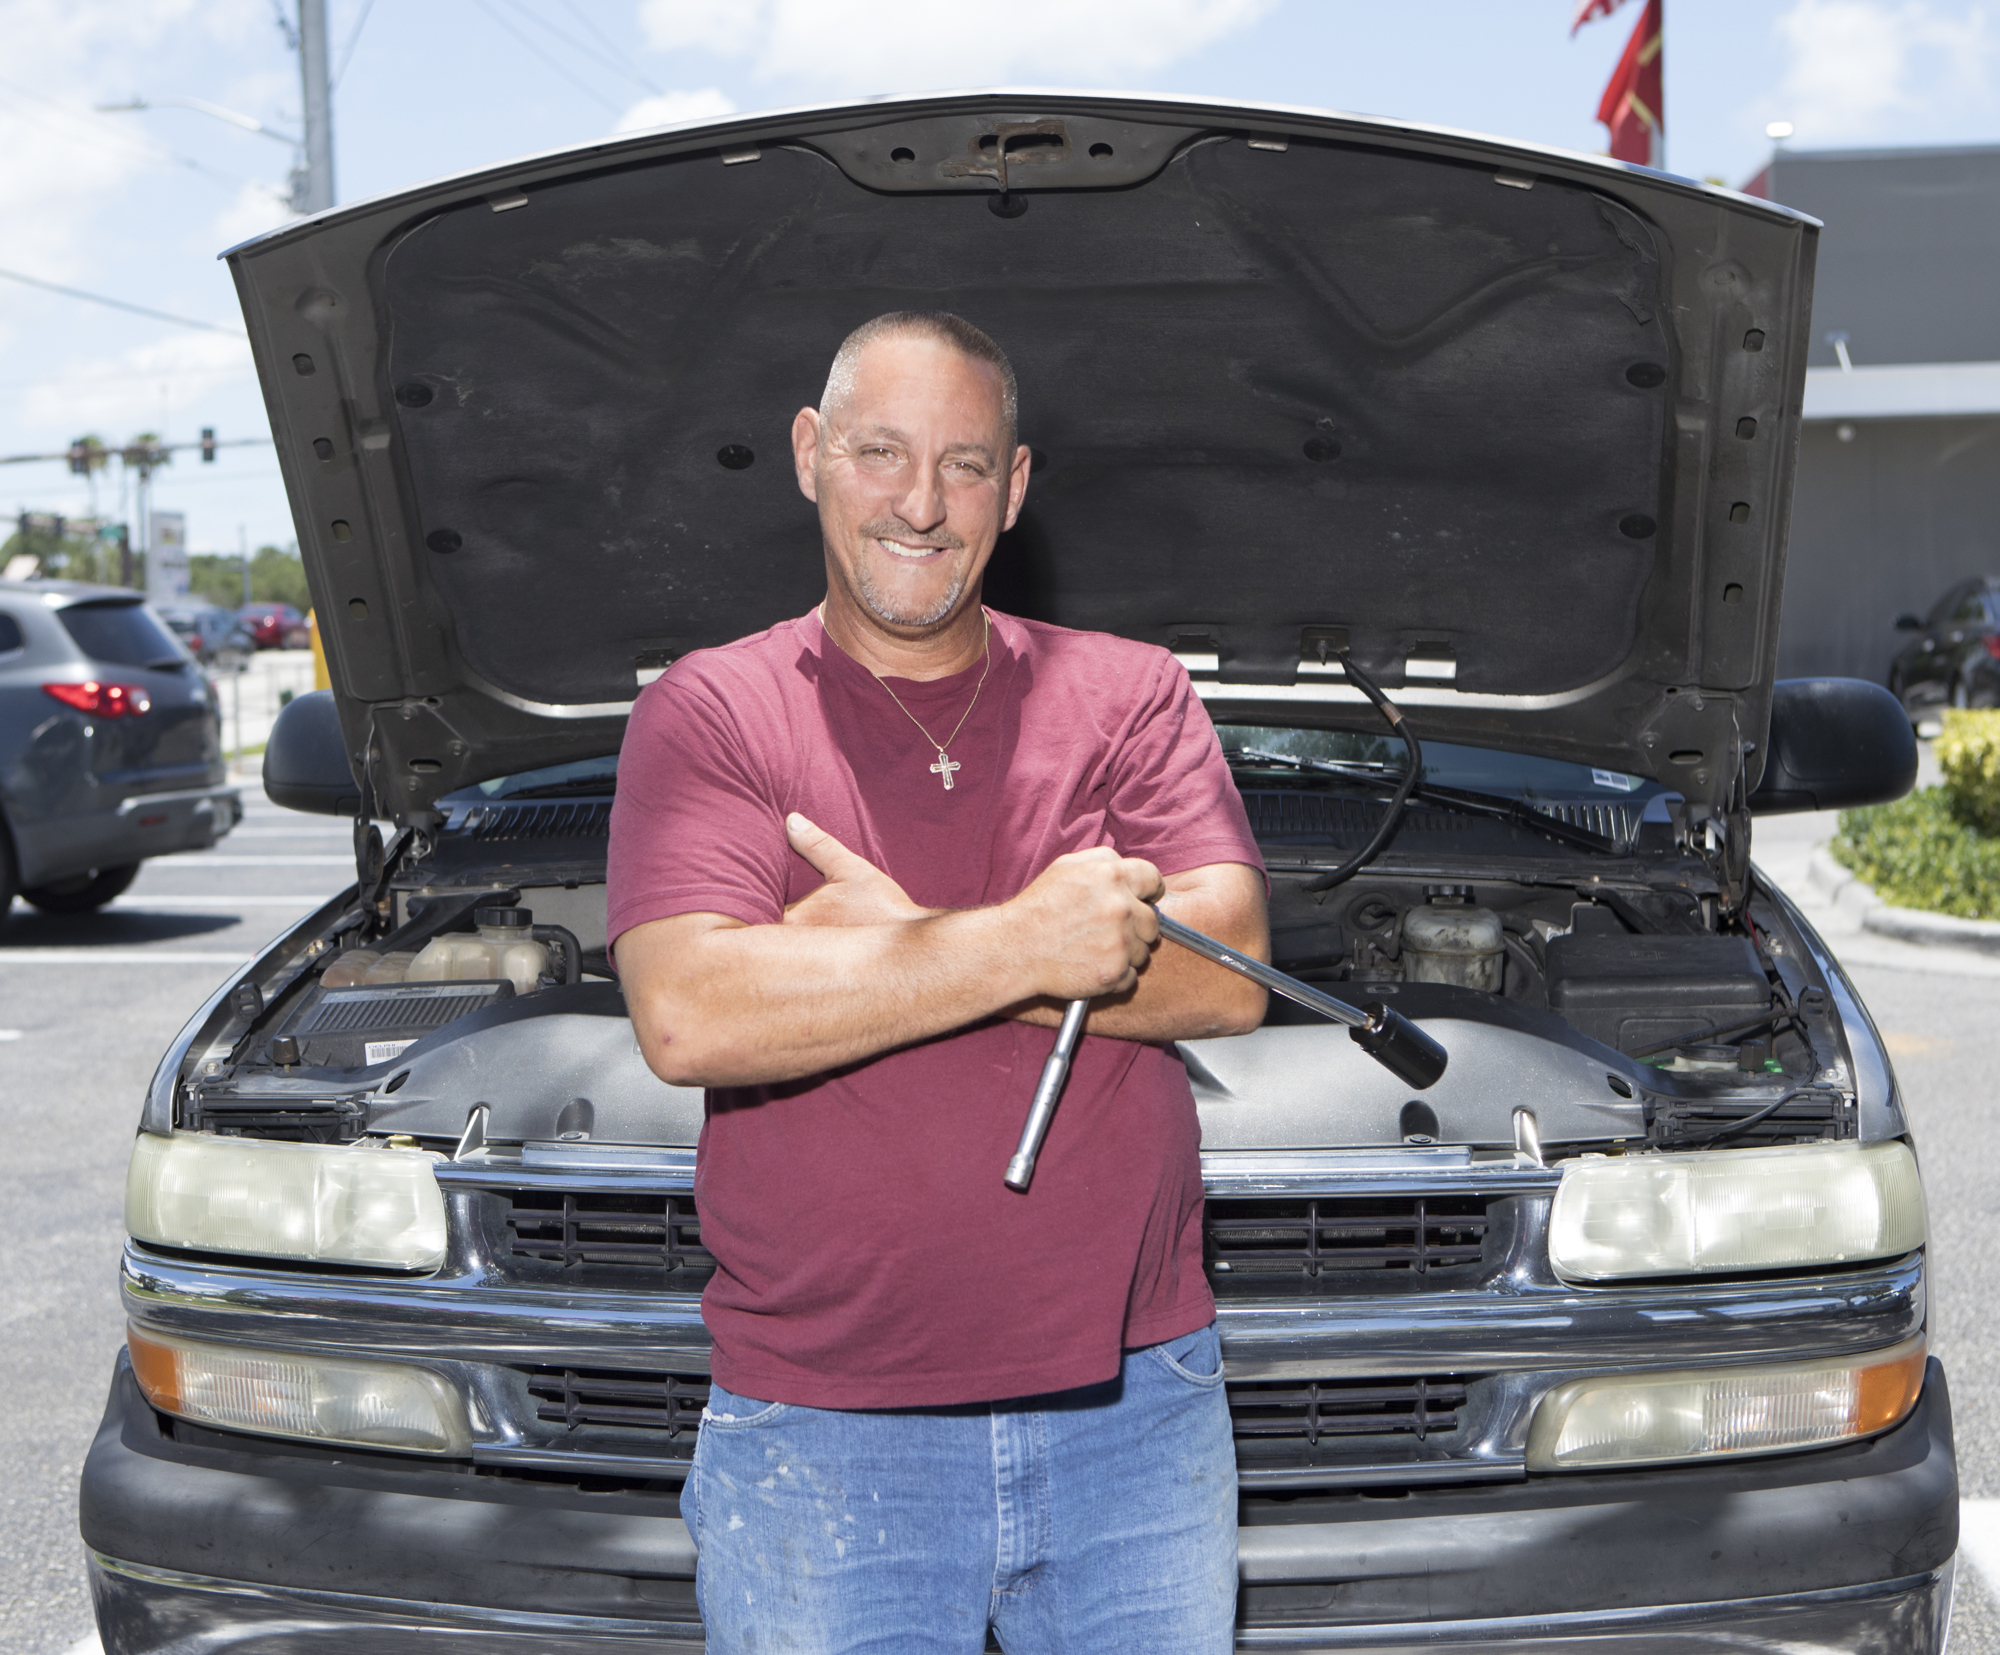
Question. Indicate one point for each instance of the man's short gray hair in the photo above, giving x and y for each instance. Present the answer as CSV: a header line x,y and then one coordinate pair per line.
x,y
946,329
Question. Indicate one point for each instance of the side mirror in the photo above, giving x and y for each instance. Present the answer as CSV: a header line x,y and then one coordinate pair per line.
x,y
1908,623
1835,743
305,759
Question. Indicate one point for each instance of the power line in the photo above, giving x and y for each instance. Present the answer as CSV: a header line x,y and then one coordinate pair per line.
x,y
353,40
543,58
612,62
119,304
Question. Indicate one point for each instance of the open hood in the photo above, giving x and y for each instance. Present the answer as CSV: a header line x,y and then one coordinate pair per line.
x,y
1517,426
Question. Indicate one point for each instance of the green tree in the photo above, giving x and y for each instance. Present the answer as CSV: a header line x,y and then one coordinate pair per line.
x,y
276,576
80,550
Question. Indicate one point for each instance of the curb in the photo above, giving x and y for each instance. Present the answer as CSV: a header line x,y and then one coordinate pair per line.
x,y
1852,896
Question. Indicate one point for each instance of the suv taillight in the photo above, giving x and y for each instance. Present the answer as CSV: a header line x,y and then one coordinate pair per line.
x,y
105,700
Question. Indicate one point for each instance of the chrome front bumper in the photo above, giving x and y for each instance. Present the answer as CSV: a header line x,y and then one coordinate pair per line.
x,y
142,1610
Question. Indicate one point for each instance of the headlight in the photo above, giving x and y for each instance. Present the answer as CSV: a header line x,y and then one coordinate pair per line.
x,y
1735,1210
374,1404
1634,1418
331,1204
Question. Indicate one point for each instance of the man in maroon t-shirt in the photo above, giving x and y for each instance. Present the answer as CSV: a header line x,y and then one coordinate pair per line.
x,y
859,862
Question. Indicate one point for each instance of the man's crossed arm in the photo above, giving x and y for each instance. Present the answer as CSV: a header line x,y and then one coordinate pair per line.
x,y
858,969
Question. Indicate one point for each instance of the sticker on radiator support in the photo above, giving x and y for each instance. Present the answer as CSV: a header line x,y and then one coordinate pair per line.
x,y
381,1051
1614,778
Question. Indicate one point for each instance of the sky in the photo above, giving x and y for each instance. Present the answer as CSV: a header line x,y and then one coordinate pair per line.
x,y
136,204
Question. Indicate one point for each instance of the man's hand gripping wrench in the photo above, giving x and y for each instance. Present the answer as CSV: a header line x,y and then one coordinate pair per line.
x,y
1387,1036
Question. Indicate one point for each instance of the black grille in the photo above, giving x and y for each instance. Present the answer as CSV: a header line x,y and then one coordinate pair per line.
x,y
586,820
580,1227
1268,1417
1312,1410
1308,1238
667,1403
1246,1239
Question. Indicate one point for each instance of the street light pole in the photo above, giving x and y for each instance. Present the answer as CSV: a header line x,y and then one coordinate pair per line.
x,y
314,78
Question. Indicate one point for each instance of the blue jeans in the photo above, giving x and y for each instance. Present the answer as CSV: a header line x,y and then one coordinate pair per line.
x,y
1099,1520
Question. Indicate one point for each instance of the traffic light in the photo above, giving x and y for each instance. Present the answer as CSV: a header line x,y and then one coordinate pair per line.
x,y
79,457
208,445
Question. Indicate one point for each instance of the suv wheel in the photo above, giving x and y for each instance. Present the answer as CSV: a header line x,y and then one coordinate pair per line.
x,y
84,892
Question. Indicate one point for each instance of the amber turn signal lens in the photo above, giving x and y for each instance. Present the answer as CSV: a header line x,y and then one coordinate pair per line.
x,y
157,1369
1888,1392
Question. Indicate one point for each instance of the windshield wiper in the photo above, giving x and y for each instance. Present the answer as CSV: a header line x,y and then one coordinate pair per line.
x,y
1495,806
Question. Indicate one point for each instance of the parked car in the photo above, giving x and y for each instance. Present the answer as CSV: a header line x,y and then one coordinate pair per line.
x,y
1956,661
276,625
1613,1336
209,631
110,745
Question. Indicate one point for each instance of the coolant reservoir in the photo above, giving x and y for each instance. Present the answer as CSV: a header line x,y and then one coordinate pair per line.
x,y
503,946
367,968
1453,944
350,968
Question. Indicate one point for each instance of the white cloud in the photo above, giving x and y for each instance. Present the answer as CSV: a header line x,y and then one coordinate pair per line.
x,y
257,208
1863,69
847,47
671,108
111,393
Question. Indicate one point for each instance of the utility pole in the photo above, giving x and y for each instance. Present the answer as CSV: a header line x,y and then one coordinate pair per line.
x,y
243,552
314,78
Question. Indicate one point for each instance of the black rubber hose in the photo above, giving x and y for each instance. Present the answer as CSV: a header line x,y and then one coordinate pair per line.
x,y
1394,819
565,943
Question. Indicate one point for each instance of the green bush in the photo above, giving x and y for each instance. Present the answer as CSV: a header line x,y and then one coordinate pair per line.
x,y
1969,754
1920,852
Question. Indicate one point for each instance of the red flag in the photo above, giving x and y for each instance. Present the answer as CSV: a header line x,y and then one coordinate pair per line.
x,y
1589,11
1633,106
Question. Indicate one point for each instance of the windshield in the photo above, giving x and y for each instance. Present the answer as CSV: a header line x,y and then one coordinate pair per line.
x,y
121,634
1478,769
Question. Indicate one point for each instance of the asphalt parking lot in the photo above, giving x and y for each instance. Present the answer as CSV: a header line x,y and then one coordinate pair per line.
x,y
87,1005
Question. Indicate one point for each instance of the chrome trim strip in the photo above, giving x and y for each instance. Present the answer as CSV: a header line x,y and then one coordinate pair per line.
x,y
1518,1324
1225,1173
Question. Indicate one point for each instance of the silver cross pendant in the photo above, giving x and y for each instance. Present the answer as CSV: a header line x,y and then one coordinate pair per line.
x,y
944,767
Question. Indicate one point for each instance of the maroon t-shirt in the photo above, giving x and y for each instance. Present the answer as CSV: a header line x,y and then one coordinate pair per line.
x,y
868,1254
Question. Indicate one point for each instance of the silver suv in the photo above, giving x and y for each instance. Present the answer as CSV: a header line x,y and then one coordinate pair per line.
x,y
1614,1336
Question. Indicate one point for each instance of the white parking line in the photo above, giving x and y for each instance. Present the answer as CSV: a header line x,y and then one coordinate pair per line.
x,y
1979,1538
114,956
142,903
86,1646
10,1034
208,859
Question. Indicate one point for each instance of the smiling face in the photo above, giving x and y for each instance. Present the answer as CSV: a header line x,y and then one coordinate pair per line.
x,y
913,468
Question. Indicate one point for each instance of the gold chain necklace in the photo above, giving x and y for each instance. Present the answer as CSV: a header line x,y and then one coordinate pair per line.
x,y
946,764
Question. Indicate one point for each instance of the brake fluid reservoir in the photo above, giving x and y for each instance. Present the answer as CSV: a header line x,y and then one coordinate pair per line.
x,y
1453,944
